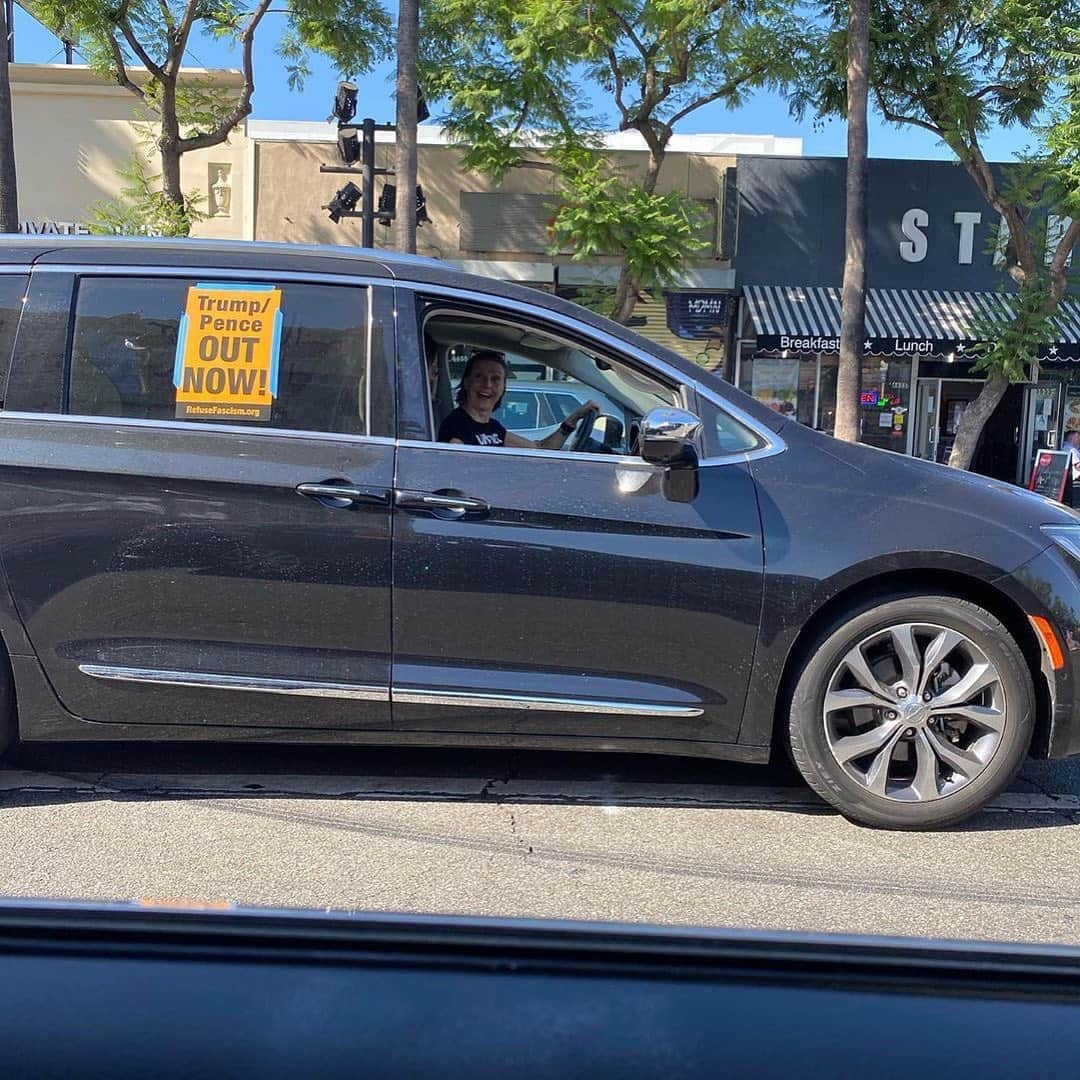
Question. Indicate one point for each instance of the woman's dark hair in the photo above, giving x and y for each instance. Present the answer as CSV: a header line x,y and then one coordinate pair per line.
x,y
474,359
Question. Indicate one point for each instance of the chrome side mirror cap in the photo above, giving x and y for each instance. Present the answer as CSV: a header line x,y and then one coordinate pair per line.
x,y
670,437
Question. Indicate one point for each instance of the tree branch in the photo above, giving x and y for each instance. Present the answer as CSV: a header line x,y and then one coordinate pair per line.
x,y
897,118
154,68
992,88
628,29
122,77
1069,240
616,71
243,104
530,163
176,59
723,91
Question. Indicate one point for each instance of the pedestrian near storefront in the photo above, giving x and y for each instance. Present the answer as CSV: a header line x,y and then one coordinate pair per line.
x,y
1071,443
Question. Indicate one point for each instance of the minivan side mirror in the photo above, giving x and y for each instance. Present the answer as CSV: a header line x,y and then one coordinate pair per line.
x,y
670,437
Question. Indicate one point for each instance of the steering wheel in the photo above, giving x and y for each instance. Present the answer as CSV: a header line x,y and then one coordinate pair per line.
x,y
583,431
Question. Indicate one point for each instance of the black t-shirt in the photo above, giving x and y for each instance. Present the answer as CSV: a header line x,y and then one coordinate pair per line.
x,y
460,425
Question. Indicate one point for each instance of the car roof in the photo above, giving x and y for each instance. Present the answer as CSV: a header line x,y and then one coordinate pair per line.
x,y
103,251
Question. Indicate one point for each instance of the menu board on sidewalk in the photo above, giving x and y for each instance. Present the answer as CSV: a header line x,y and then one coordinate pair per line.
x,y
1051,475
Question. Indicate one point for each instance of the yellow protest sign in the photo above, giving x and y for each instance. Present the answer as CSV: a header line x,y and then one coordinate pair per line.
x,y
227,352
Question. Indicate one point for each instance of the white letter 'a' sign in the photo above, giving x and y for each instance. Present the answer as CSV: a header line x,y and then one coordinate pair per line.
x,y
913,249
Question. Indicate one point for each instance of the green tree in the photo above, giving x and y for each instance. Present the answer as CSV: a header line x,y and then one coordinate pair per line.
x,y
959,69
515,74
9,196
405,135
119,36
853,293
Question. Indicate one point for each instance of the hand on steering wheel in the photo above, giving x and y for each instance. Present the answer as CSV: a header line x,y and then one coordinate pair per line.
x,y
585,426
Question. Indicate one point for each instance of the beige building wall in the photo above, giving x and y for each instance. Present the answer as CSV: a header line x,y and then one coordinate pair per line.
x,y
290,190
74,132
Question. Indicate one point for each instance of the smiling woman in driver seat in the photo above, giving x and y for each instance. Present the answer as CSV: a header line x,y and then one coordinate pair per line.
x,y
483,384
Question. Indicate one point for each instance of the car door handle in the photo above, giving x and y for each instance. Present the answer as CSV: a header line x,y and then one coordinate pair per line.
x,y
444,504
338,494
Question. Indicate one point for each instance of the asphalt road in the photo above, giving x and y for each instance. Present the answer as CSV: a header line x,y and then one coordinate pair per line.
x,y
550,835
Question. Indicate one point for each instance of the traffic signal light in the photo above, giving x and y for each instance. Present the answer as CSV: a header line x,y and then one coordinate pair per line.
x,y
344,102
387,202
348,144
344,201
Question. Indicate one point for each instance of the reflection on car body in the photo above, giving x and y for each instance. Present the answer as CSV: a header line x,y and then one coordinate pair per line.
x,y
205,538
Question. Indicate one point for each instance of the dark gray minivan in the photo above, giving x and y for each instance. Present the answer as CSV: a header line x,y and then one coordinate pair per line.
x,y
224,513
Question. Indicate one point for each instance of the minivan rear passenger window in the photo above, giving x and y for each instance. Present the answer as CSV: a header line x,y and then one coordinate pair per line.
x,y
281,355
12,292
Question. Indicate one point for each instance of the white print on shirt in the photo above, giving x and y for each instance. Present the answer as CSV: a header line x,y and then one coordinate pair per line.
x,y
488,440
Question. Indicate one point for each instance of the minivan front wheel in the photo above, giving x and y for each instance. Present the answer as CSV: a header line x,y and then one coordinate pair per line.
x,y
913,714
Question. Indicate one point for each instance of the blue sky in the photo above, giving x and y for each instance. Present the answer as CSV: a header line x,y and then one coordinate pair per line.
x,y
765,113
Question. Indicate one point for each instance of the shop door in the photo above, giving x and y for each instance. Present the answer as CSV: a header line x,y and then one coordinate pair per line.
x,y
955,395
928,399
1041,425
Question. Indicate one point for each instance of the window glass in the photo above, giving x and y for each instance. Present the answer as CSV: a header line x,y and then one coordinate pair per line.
x,y
12,291
519,409
284,356
548,379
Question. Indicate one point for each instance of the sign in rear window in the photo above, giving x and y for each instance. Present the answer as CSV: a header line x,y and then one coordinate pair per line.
x,y
228,351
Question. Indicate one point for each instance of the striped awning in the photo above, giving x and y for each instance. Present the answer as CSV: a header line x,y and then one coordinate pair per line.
x,y
925,322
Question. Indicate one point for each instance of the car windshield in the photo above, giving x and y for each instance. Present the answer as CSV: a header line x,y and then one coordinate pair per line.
x,y
624,468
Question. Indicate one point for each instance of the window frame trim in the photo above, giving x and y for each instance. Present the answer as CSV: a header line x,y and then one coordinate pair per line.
x,y
98,271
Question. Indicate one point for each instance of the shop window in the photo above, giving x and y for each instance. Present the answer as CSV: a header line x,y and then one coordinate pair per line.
x,y
786,385
885,404
298,364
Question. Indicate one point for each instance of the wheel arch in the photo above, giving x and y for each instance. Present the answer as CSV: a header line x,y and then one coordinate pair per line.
x,y
914,582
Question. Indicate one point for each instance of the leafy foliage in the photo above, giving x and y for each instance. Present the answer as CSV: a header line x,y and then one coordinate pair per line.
x,y
354,34
601,214
142,209
513,74
195,113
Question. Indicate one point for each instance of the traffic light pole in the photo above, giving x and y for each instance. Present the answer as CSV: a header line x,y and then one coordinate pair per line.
x,y
367,164
368,172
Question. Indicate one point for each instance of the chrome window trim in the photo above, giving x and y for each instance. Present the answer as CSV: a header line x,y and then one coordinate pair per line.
x,y
257,684
772,443
194,425
253,273
535,702
14,268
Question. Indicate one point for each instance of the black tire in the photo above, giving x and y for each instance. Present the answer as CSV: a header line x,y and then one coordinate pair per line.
x,y
809,739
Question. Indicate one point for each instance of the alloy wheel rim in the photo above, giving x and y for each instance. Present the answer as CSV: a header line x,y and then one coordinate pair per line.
x,y
914,712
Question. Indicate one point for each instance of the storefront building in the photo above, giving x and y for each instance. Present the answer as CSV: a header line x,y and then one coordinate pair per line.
x,y
934,280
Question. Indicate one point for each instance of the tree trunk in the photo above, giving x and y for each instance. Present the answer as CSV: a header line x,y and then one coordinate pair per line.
x,y
9,196
169,145
974,419
853,309
408,32
628,288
